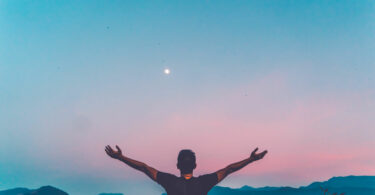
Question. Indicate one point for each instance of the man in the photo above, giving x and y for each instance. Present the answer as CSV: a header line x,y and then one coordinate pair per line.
x,y
186,184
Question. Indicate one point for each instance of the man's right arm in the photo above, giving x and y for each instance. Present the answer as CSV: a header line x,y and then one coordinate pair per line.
x,y
222,173
140,166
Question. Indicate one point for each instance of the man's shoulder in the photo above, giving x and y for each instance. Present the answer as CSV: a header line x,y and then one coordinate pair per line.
x,y
161,174
210,177
207,181
214,174
165,179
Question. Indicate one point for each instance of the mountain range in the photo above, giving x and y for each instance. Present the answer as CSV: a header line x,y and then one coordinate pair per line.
x,y
45,190
349,185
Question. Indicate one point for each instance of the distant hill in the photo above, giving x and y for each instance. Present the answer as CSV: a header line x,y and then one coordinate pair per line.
x,y
352,181
45,190
15,191
350,185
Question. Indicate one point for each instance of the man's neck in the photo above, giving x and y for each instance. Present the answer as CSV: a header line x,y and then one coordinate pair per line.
x,y
187,175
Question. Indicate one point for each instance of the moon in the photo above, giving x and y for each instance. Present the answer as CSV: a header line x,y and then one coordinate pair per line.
x,y
167,71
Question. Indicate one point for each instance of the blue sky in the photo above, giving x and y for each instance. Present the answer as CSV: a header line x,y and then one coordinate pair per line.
x,y
75,76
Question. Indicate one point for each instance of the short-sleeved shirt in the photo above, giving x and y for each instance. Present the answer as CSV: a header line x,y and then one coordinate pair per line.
x,y
174,185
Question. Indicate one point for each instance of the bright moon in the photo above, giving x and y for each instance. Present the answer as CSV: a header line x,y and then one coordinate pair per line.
x,y
167,71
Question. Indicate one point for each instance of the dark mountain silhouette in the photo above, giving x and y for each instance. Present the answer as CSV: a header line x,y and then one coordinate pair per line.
x,y
267,188
15,191
350,185
352,181
45,190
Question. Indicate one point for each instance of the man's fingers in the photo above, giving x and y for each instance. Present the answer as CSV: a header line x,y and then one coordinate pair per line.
x,y
118,148
107,148
263,153
110,149
256,149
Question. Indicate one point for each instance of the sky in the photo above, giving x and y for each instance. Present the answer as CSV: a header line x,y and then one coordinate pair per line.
x,y
294,77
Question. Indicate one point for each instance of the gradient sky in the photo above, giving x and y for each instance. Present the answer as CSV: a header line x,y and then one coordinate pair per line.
x,y
294,77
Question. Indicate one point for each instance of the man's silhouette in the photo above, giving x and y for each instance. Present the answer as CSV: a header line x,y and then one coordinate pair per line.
x,y
186,184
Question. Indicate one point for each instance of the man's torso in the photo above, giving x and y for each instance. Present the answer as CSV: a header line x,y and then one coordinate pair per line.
x,y
180,186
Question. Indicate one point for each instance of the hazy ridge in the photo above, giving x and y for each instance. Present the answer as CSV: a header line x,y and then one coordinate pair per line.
x,y
350,185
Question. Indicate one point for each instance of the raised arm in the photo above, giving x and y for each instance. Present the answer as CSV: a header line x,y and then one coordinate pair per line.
x,y
222,173
140,166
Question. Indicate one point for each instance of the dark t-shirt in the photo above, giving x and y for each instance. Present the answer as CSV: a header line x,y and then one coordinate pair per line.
x,y
174,185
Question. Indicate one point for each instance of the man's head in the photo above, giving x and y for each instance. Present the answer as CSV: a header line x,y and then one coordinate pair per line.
x,y
186,161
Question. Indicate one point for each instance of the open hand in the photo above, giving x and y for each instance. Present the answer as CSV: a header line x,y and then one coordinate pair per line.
x,y
112,153
254,156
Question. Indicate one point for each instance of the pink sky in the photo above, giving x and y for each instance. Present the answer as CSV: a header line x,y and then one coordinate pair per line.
x,y
308,138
